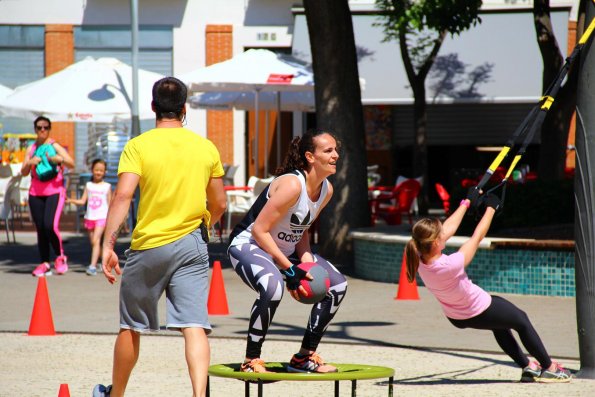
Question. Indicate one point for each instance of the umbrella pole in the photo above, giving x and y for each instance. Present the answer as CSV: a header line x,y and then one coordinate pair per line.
x,y
278,98
255,148
266,144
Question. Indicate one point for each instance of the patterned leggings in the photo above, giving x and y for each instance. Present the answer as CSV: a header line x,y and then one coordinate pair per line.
x,y
257,270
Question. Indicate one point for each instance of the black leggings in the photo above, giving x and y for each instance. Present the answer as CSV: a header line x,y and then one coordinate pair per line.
x,y
46,212
501,317
257,270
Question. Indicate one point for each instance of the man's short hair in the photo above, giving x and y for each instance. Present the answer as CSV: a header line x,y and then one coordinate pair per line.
x,y
169,97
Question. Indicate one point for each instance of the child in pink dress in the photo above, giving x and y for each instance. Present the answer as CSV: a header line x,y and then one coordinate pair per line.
x,y
97,195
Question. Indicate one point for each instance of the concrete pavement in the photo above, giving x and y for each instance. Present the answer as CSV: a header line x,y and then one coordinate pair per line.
x,y
369,317
369,313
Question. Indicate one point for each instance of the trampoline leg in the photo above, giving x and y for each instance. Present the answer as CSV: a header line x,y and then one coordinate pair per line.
x,y
353,388
259,388
246,389
336,388
390,387
208,387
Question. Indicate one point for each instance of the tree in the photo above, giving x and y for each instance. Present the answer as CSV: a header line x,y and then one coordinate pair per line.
x,y
339,109
420,26
554,131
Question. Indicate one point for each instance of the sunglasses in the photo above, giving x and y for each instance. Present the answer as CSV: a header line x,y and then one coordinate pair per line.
x,y
42,127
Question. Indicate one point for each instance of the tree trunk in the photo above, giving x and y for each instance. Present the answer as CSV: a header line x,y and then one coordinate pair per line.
x,y
420,147
339,109
418,81
554,131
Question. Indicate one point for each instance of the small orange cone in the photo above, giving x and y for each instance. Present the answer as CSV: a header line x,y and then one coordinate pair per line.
x,y
42,323
217,303
406,289
64,391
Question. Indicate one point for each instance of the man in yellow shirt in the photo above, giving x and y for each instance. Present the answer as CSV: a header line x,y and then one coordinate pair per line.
x,y
179,174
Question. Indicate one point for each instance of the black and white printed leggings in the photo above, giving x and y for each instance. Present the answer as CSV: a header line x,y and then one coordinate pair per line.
x,y
257,270
501,317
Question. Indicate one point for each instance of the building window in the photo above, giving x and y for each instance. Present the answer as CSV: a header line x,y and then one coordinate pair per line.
x,y
21,62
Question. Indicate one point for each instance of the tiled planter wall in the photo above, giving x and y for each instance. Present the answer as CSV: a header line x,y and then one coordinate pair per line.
x,y
519,270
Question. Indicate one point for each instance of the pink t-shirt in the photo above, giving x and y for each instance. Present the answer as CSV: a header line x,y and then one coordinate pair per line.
x,y
447,280
47,188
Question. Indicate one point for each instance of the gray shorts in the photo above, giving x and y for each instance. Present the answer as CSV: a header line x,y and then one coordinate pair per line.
x,y
181,269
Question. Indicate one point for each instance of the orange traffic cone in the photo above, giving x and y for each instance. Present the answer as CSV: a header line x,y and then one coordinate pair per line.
x,y
64,392
406,289
41,319
217,303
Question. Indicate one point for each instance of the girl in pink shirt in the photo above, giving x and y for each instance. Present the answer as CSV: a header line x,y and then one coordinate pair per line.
x,y
465,304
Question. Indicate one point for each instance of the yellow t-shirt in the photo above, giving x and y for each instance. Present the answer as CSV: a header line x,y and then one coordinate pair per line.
x,y
175,166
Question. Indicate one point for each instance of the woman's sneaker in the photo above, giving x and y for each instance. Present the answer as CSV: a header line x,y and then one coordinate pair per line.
x,y
309,363
61,265
91,270
42,270
102,391
557,375
254,365
531,372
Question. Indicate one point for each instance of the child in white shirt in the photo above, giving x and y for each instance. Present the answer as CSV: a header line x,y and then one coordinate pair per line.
x,y
97,195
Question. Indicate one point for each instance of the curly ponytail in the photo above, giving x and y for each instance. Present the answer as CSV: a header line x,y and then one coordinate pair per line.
x,y
423,235
295,159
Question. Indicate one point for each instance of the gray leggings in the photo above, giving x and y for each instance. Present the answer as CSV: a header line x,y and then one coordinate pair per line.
x,y
257,270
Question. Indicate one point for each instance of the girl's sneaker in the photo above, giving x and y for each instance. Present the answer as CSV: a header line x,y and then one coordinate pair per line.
x,y
42,270
531,372
309,363
91,270
61,265
255,365
556,375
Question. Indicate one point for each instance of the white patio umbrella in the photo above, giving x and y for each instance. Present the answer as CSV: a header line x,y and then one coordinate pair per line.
x,y
5,91
87,91
256,72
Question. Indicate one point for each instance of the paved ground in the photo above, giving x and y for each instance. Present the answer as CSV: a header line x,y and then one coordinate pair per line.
x,y
430,356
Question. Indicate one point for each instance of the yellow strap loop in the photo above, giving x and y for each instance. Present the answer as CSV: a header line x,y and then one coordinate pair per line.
x,y
548,102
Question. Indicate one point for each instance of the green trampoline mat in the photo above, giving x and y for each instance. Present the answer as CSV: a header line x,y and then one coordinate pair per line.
x,y
279,372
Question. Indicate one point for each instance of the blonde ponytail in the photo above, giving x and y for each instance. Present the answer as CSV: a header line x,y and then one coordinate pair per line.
x,y
412,260
424,233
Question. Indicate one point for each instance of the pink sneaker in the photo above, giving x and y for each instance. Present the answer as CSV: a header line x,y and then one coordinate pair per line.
x,y
42,270
61,265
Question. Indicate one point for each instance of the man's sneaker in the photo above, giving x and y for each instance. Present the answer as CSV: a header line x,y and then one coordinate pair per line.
x,y
557,375
531,372
91,271
102,391
309,363
42,270
61,265
254,365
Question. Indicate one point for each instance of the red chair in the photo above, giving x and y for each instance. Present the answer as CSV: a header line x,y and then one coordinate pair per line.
x,y
390,206
445,197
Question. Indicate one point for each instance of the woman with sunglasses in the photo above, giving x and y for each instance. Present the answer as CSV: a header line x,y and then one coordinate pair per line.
x,y
45,160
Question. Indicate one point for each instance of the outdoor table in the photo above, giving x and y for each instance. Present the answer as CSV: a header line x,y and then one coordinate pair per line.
x,y
352,372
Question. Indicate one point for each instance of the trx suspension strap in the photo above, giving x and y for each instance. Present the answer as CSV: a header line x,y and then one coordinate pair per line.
x,y
533,121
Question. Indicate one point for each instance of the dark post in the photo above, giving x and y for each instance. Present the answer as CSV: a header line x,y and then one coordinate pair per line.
x,y
134,28
584,225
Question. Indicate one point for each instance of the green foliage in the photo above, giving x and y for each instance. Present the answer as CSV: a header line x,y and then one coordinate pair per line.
x,y
528,205
454,16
